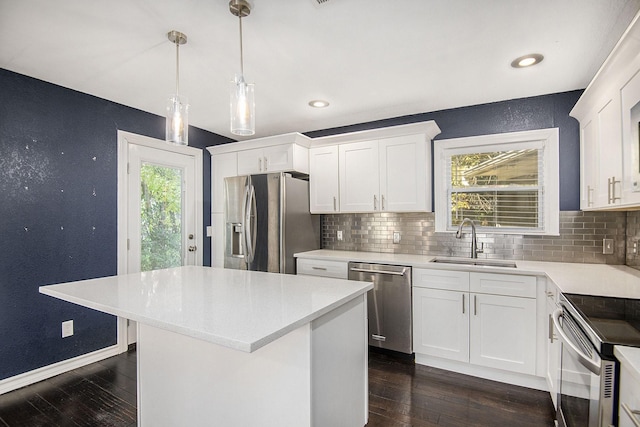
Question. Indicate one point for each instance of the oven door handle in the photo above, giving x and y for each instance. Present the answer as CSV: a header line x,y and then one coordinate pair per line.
x,y
585,360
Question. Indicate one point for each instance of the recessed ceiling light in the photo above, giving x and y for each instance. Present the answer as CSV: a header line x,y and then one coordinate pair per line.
x,y
318,103
527,60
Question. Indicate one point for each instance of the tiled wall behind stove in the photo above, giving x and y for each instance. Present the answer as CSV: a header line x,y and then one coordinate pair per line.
x,y
580,239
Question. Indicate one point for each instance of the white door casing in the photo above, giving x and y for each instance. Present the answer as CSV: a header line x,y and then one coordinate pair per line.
x,y
133,151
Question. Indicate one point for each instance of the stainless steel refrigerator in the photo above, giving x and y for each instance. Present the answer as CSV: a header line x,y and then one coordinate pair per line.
x,y
267,220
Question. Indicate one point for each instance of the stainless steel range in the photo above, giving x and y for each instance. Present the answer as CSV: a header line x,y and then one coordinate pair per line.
x,y
590,326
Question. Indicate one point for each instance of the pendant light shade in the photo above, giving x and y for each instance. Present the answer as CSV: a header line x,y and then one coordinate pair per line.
x,y
177,131
242,99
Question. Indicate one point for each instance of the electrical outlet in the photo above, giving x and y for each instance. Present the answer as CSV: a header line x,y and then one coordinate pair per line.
x,y
339,235
396,237
607,246
67,328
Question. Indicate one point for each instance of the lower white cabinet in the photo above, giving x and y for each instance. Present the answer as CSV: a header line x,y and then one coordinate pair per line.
x,y
441,323
503,332
629,401
497,331
554,346
322,268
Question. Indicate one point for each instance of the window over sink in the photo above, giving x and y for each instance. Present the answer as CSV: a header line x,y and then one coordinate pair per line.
x,y
506,183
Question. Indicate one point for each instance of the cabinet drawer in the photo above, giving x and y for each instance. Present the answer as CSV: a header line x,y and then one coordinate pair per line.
x,y
503,284
323,268
441,279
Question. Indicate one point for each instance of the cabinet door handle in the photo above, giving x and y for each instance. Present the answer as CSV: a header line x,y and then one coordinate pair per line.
x,y
382,202
611,189
589,195
462,303
475,305
260,164
319,268
375,202
335,204
266,164
551,334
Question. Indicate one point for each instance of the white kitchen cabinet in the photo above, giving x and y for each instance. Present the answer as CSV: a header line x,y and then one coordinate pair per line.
x,y
492,324
390,174
441,323
629,398
379,170
503,332
404,174
630,100
277,158
588,164
222,166
322,268
359,177
608,112
554,346
601,157
324,186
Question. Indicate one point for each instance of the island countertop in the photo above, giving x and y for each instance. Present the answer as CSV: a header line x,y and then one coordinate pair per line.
x,y
243,310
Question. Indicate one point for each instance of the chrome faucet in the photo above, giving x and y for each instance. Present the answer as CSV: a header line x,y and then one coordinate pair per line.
x,y
474,241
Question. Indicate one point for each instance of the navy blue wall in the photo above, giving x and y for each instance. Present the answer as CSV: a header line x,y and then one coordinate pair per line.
x,y
547,111
58,213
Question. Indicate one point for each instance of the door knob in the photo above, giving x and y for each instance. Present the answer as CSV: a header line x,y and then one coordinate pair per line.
x,y
192,248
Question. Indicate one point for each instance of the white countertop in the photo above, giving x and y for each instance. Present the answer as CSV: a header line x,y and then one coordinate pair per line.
x,y
587,279
243,310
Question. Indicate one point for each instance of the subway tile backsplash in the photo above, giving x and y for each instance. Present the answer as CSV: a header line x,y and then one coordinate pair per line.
x,y
580,238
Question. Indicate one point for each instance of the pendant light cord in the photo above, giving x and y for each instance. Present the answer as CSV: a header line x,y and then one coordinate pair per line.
x,y
177,67
241,53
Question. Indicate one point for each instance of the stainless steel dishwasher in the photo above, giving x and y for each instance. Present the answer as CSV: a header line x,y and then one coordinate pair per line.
x,y
389,304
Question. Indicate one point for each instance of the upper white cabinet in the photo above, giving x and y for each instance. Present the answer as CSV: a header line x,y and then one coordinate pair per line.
x,y
277,158
405,171
386,175
324,192
280,153
359,177
387,169
609,115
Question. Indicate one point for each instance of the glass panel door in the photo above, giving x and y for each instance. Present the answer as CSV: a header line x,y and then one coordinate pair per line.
x,y
161,219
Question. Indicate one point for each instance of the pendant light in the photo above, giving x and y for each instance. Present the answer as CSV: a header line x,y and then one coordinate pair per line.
x,y
177,107
242,93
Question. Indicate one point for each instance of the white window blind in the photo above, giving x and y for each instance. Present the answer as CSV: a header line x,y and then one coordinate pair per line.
x,y
502,186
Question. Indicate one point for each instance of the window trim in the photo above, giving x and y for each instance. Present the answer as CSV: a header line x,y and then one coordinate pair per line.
x,y
550,140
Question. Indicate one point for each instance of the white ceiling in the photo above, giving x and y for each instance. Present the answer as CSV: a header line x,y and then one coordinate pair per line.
x,y
371,59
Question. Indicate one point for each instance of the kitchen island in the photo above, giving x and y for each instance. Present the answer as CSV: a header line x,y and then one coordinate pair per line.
x,y
230,347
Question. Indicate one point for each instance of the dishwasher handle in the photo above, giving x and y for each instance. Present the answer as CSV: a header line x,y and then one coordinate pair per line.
x,y
366,270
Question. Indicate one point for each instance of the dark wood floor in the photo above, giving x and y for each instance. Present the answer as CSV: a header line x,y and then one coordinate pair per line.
x,y
400,394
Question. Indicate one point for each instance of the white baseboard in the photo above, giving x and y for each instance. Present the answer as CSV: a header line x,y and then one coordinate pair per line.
x,y
522,380
31,377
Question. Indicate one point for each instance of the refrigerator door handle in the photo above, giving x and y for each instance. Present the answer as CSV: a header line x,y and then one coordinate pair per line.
x,y
245,203
250,223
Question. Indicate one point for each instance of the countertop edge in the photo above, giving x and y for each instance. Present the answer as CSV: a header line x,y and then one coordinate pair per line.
x,y
578,278
247,347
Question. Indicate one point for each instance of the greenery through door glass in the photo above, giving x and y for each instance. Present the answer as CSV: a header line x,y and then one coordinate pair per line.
x,y
160,217
496,189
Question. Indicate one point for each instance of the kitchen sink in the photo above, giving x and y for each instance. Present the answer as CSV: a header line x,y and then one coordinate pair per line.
x,y
476,262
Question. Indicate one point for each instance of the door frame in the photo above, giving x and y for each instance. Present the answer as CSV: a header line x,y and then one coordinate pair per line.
x,y
124,140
